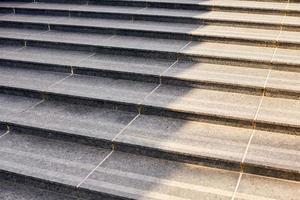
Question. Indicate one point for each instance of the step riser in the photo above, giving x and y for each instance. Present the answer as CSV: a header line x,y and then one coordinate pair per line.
x,y
158,18
150,110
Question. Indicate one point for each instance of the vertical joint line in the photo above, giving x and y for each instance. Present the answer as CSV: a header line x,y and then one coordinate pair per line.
x,y
237,185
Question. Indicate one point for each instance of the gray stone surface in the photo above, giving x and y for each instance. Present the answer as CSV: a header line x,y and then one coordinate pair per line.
x,y
283,80
14,191
141,177
221,50
187,137
275,150
280,111
30,18
48,55
73,37
5,49
287,56
88,121
11,105
17,33
222,74
201,101
29,79
147,43
104,88
126,64
256,187
47,159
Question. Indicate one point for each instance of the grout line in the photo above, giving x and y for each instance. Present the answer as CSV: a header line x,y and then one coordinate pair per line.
x,y
174,63
83,59
248,146
106,157
7,132
61,80
14,51
150,93
187,44
126,127
29,108
139,10
237,185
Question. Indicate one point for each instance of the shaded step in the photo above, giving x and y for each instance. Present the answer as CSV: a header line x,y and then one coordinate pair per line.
x,y
170,100
250,36
246,8
169,71
56,165
12,105
97,125
162,137
11,190
142,177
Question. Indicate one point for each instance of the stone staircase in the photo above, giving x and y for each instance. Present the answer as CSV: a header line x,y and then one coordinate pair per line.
x,y
150,99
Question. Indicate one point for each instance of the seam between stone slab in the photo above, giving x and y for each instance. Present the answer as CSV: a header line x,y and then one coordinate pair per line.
x,y
7,132
124,129
237,185
106,157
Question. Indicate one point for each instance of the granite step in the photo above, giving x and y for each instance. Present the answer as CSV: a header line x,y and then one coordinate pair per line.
x,y
88,172
167,15
40,63
249,36
11,190
108,7
157,136
237,54
239,109
172,30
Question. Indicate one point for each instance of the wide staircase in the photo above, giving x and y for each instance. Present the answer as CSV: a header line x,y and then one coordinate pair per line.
x,y
150,99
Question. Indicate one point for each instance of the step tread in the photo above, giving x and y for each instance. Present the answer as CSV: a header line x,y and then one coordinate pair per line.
x,y
47,55
255,187
127,91
214,103
267,149
274,150
79,120
216,73
187,137
48,159
34,79
265,54
12,105
280,111
70,163
11,190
